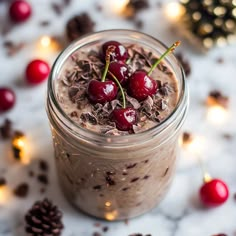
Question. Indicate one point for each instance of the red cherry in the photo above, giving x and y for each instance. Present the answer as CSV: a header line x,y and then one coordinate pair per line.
x,y
214,193
7,99
20,11
124,118
101,92
141,85
37,71
120,53
120,71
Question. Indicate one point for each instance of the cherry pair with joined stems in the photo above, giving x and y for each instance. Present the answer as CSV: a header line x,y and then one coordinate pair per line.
x,y
140,84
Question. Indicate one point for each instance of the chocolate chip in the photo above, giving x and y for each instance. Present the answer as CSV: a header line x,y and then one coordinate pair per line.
x,y
58,8
146,161
215,97
134,179
79,25
6,129
96,234
131,166
74,114
21,190
2,181
187,137
105,229
43,165
146,177
97,187
110,173
42,178
166,171
125,189
139,24
44,23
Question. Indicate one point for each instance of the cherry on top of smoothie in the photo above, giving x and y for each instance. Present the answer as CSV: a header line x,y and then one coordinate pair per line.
x,y
117,89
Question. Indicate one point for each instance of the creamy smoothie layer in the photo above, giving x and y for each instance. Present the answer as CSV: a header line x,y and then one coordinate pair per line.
x,y
86,64
115,182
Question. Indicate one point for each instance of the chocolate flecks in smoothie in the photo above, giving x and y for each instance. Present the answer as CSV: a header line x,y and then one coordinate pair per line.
x,y
138,204
146,177
125,189
124,173
110,173
134,179
97,187
74,114
146,161
88,117
109,180
131,166
166,171
67,154
101,195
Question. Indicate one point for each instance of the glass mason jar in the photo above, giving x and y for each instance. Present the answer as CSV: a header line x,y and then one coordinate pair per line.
x,y
115,177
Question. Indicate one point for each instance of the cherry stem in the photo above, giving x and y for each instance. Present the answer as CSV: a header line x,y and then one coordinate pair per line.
x,y
121,89
170,49
109,50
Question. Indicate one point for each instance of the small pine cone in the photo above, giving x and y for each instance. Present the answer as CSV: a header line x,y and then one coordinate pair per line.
x,y
43,219
79,25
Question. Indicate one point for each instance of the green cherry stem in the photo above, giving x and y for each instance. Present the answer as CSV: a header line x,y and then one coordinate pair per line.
x,y
121,89
170,49
109,50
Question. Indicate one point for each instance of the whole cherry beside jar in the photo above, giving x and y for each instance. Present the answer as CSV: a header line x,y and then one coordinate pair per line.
x,y
7,99
20,11
37,71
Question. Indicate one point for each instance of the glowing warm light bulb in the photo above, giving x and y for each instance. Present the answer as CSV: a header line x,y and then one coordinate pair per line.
x,y
107,204
117,6
4,194
217,114
19,147
45,41
111,215
174,11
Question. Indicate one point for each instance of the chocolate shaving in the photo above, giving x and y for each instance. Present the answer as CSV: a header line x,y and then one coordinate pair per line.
x,y
88,117
134,102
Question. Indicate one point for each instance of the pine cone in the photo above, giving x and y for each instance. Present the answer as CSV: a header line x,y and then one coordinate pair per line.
x,y
44,219
79,25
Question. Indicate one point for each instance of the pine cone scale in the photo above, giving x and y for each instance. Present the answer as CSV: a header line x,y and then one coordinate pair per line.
x,y
44,219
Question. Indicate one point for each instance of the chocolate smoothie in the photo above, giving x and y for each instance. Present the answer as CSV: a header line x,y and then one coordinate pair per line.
x,y
107,172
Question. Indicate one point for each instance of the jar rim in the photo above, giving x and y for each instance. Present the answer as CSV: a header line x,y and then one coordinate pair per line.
x,y
76,129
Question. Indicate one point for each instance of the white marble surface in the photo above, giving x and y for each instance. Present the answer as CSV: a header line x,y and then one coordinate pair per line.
x,y
180,214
